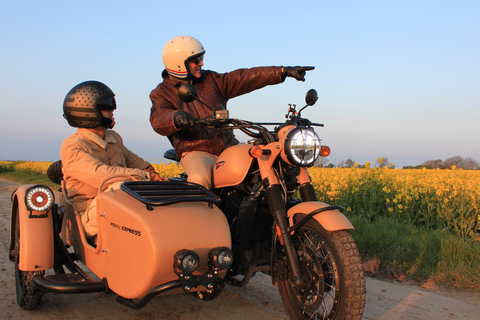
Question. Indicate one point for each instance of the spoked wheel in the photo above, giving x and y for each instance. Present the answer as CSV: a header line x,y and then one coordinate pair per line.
x,y
333,274
28,297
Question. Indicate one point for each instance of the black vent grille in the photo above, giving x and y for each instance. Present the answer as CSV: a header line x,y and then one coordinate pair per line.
x,y
161,193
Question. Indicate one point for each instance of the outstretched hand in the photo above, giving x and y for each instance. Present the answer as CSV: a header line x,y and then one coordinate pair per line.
x,y
296,72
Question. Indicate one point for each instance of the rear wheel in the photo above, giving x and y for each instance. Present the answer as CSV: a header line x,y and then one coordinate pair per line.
x,y
28,297
333,272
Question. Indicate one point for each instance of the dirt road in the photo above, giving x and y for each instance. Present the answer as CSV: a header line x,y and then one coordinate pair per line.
x,y
258,300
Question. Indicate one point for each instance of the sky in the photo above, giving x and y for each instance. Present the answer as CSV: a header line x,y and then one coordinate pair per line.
x,y
397,79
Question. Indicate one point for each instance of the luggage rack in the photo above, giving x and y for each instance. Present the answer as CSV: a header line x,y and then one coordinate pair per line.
x,y
161,193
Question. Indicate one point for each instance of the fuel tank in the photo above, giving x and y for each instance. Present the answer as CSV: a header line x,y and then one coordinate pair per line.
x,y
232,166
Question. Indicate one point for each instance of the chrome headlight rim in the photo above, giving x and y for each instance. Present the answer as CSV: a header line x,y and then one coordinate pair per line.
x,y
297,140
39,198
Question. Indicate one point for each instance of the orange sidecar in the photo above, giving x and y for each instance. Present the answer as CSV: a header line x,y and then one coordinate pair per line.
x,y
153,238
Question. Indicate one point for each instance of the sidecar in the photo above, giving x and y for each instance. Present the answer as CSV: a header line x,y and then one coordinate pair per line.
x,y
153,238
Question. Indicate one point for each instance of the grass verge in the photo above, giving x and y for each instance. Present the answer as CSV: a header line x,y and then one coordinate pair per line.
x,y
419,254
28,178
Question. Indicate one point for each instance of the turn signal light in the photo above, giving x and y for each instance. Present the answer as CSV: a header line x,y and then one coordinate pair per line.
x,y
257,152
325,151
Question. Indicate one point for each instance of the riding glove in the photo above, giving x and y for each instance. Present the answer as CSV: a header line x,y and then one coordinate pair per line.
x,y
296,72
183,120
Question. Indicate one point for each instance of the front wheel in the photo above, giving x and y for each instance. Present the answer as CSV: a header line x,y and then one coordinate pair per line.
x,y
28,297
333,273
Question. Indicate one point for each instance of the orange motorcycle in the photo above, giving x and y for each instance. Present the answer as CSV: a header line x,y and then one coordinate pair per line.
x,y
157,238
302,243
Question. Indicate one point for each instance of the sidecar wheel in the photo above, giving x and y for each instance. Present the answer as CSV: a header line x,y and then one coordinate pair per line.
x,y
333,270
28,297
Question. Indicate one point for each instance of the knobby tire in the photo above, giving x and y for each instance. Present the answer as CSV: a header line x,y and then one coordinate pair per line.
x,y
333,272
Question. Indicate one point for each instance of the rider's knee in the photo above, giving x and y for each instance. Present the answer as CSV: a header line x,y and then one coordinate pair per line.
x,y
201,179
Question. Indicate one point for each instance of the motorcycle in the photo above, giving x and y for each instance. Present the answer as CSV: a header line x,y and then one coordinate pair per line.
x,y
263,210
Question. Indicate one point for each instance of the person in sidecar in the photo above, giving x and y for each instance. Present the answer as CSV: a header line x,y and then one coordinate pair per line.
x,y
95,153
195,145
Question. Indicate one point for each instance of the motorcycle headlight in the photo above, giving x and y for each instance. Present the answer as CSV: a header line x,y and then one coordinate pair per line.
x,y
302,146
39,198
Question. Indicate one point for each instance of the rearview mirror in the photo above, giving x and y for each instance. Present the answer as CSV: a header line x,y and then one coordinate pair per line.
x,y
311,97
187,92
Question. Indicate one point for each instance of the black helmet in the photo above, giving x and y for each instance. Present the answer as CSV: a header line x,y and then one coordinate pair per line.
x,y
82,104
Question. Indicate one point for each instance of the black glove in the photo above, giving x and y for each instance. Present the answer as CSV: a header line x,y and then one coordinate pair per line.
x,y
296,72
183,120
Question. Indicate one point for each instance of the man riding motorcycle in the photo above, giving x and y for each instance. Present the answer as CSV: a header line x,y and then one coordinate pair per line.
x,y
196,145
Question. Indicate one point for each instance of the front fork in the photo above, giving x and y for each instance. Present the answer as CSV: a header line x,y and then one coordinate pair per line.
x,y
279,212
277,205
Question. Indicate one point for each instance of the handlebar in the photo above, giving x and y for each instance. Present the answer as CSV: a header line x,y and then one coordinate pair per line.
x,y
222,122
313,124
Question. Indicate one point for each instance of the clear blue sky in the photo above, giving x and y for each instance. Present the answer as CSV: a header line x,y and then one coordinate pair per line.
x,y
397,79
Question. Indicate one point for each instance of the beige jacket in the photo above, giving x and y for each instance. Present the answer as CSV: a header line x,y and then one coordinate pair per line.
x,y
87,160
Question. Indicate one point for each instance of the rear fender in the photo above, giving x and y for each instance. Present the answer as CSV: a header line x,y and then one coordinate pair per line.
x,y
36,234
331,220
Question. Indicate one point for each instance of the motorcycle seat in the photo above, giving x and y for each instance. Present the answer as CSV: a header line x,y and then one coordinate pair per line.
x,y
171,155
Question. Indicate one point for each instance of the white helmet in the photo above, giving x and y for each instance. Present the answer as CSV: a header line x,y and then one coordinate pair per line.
x,y
176,53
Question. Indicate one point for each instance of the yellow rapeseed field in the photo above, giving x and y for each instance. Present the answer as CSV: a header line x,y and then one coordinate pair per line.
x,y
34,167
439,199
436,199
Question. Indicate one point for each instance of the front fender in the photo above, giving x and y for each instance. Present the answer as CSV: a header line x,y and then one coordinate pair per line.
x,y
331,220
36,234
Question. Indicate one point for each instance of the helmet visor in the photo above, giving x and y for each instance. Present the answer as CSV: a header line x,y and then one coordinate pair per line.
x,y
107,104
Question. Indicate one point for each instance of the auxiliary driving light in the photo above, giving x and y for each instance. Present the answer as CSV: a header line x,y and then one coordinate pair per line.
x,y
186,261
220,257
39,198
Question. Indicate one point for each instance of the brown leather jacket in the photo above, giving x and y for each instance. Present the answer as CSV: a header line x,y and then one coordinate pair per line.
x,y
215,89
